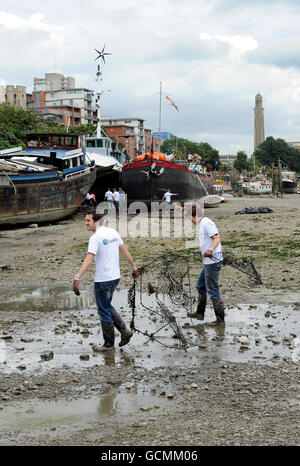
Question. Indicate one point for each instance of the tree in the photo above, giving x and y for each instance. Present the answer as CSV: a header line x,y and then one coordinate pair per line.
x,y
272,150
15,123
242,162
210,156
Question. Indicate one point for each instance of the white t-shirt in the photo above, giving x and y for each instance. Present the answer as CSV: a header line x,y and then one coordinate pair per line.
x,y
167,197
116,196
105,244
109,196
207,229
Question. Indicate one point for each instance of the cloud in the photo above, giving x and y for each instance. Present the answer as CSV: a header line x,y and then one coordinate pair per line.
x,y
211,56
35,21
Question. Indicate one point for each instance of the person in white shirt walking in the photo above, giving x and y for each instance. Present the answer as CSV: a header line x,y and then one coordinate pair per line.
x,y
208,281
108,196
104,246
116,198
167,197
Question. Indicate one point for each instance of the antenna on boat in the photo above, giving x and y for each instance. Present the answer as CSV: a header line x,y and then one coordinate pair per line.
x,y
99,92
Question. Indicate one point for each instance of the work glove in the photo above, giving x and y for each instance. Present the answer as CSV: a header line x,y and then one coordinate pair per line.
x,y
136,273
76,287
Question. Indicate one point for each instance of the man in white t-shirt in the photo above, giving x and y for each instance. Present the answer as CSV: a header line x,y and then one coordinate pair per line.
x,y
208,281
167,197
108,196
104,246
116,198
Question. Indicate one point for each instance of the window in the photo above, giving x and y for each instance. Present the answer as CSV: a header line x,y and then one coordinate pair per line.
x,y
45,142
58,141
71,141
91,143
99,142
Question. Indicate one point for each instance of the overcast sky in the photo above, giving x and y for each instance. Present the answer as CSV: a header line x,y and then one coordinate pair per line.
x,y
212,57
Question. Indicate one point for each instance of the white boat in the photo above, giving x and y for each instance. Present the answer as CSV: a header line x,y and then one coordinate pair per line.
x,y
212,200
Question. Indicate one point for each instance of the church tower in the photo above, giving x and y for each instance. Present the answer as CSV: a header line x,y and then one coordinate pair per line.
x,y
259,126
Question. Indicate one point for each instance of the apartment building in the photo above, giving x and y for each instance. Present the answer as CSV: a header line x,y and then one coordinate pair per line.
x,y
53,82
141,137
138,129
69,106
124,135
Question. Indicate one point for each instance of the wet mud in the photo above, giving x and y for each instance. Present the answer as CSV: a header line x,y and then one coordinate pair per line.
x,y
236,384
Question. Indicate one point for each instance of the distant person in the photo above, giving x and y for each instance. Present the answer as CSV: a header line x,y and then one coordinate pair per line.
x,y
104,246
122,194
208,281
90,199
108,196
93,200
116,198
167,197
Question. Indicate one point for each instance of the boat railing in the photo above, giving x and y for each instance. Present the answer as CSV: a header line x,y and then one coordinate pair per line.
x,y
79,172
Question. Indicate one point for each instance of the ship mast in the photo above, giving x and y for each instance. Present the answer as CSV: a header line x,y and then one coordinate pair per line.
x,y
99,91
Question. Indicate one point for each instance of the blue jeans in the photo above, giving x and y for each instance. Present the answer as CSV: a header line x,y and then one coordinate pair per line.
x,y
208,281
103,293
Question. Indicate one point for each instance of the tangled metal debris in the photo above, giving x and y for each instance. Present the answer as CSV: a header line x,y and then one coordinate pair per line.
x,y
167,278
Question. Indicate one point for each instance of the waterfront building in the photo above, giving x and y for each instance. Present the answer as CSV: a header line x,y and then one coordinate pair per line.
x,y
141,136
69,106
53,82
123,134
293,142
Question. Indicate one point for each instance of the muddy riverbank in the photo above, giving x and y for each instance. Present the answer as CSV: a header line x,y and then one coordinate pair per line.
x,y
238,386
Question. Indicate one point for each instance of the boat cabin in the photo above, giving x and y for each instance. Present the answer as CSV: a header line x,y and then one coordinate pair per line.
x,y
104,146
58,141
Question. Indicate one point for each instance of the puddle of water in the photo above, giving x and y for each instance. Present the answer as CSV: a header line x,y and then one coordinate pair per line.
x,y
48,297
262,333
37,415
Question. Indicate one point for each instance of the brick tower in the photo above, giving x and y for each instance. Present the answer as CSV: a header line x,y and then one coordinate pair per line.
x,y
259,126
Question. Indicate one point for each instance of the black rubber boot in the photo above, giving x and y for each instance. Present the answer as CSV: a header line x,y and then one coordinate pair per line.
x,y
120,325
108,332
219,312
199,314
118,321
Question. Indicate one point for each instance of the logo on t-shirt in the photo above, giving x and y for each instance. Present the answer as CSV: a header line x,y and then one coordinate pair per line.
x,y
106,241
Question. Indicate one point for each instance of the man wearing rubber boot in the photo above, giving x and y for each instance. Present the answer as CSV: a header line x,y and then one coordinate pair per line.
x,y
104,246
208,281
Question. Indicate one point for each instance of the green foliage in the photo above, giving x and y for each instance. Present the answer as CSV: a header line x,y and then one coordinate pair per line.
x,y
209,155
15,123
271,150
242,162
80,129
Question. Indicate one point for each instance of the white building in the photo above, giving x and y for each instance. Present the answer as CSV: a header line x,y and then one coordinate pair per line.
x,y
293,142
53,82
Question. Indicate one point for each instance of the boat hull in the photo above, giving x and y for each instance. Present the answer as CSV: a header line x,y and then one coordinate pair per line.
x,y
289,187
141,183
43,202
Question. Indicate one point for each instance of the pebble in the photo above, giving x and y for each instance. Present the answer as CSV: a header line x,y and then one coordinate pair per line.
x,y
21,367
47,355
84,357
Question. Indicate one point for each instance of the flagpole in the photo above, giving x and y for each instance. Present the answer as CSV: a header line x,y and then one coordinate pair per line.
x,y
159,128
